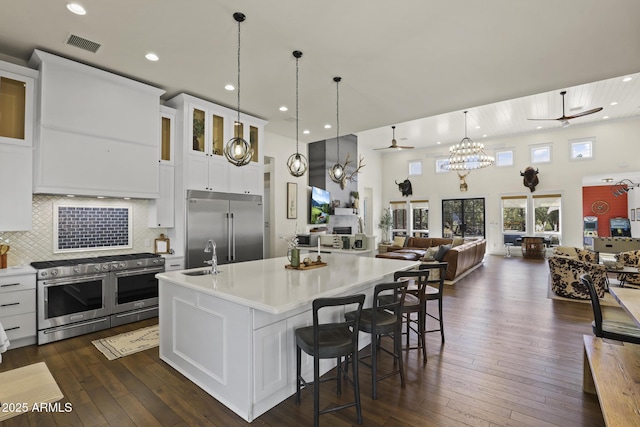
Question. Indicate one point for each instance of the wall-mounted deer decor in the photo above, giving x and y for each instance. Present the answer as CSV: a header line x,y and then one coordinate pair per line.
x,y
350,176
405,187
530,179
463,184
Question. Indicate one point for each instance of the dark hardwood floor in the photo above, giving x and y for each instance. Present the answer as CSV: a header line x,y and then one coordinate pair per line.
x,y
512,357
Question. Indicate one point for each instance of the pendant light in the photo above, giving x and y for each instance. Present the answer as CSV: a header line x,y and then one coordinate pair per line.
x,y
467,154
238,151
336,173
297,163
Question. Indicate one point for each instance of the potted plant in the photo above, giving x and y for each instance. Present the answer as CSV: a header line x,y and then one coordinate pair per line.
x,y
355,199
385,224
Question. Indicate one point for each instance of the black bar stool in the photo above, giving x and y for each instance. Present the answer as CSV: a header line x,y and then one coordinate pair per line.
x,y
415,303
384,318
432,293
327,341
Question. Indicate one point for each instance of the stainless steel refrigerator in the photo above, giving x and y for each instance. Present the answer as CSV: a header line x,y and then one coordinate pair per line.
x,y
233,221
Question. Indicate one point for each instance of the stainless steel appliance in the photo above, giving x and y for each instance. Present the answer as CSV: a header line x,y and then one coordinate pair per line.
x,y
308,240
233,221
78,296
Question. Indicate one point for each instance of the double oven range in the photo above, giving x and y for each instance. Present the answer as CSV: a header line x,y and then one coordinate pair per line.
x,y
78,296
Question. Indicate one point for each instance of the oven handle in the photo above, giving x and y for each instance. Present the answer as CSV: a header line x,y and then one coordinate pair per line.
x,y
136,312
72,280
139,271
74,325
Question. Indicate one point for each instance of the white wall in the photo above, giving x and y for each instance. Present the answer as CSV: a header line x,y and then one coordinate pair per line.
x,y
615,151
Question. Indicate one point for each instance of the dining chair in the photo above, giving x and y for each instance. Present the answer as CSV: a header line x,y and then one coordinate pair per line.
x,y
326,341
384,318
622,328
434,293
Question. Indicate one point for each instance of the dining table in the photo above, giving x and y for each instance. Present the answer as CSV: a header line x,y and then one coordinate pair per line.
x,y
629,300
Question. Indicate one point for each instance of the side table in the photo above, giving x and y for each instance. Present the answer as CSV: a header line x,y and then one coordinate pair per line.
x,y
382,247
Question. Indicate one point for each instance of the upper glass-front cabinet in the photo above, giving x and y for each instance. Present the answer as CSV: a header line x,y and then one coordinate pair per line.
x,y
253,140
167,134
16,106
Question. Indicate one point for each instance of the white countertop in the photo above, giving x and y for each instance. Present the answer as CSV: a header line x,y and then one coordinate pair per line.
x,y
16,270
268,286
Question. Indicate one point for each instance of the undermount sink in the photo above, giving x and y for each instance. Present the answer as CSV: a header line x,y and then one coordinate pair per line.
x,y
197,273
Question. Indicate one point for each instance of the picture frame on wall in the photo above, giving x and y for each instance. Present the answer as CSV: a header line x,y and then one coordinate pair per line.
x,y
632,216
292,200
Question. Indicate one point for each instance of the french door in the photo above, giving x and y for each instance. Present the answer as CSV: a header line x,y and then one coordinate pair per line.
x,y
463,218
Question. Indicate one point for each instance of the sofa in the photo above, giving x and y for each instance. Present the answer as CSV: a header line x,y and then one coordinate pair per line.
x,y
629,259
567,264
460,257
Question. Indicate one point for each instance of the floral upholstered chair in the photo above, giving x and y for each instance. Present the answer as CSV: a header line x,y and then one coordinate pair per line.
x,y
629,259
567,264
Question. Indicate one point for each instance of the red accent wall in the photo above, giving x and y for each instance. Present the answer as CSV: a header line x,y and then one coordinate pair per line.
x,y
617,206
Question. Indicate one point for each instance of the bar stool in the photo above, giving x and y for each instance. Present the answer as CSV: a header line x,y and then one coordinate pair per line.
x,y
384,318
327,341
435,294
415,303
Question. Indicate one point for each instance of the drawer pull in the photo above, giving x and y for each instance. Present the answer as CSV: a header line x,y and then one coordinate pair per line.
x,y
13,329
10,304
9,284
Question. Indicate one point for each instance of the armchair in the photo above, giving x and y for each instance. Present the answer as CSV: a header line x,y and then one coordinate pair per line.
x,y
630,259
567,264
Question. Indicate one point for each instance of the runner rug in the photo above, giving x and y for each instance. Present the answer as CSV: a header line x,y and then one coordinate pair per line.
x,y
27,389
129,342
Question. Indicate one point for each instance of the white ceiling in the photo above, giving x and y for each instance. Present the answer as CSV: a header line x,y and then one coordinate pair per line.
x,y
400,61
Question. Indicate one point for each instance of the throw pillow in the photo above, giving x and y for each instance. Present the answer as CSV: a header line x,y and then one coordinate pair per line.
x,y
457,241
399,241
430,253
442,251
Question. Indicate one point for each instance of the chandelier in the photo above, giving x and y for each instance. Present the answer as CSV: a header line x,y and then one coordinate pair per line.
x,y
238,151
297,163
467,154
336,173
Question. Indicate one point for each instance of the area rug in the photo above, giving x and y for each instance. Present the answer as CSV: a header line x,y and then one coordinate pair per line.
x,y
129,342
27,389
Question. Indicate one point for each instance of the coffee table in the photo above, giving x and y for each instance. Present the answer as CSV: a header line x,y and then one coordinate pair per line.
x,y
622,273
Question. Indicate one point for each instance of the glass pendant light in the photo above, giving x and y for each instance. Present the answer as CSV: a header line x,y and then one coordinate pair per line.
x,y
297,163
238,151
336,173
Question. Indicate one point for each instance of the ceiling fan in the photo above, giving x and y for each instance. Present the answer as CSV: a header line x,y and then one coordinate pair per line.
x,y
394,144
565,119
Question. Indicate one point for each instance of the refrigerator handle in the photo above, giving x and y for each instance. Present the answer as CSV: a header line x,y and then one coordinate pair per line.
x,y
232,236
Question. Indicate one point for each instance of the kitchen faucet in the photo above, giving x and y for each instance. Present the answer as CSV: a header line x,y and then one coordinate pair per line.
x,y
211,247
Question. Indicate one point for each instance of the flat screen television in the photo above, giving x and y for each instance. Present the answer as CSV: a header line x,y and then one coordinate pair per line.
x,y
319,206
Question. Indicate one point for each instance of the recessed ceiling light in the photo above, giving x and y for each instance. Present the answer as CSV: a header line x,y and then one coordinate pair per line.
x,y
327,126
438,142
627,79
71,195
230,87
306,132
484,136
76,8
607,179
539,127
614,103
152,56
127,198
605,117
101,197
283,108
477,127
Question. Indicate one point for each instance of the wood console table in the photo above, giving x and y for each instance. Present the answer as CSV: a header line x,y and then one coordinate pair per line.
x,y
533,247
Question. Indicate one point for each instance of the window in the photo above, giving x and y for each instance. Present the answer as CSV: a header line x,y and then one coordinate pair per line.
x,y
546,214
441,165
420,218
581,149
541,154
514,214
504,158
398,218
463,218
415,167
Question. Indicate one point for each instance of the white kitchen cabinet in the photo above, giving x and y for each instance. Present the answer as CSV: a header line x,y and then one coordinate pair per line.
x,y
18,305
167,134
16,175
17,104
98,133
161,210
173,262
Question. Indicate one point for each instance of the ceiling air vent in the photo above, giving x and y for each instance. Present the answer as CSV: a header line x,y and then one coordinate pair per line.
x,y
83,43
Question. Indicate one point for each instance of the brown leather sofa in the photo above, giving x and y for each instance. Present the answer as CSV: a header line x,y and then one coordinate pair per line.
x,y
459,258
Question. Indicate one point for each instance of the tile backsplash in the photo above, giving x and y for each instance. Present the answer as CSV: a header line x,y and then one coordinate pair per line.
x,y
82,228
38,243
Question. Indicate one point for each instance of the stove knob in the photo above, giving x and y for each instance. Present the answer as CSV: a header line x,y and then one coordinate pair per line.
x,y
123,265
76,269
44,274
54,272
105,267
97,267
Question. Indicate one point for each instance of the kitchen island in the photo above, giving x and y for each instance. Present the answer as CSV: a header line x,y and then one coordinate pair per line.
x,y
232,333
